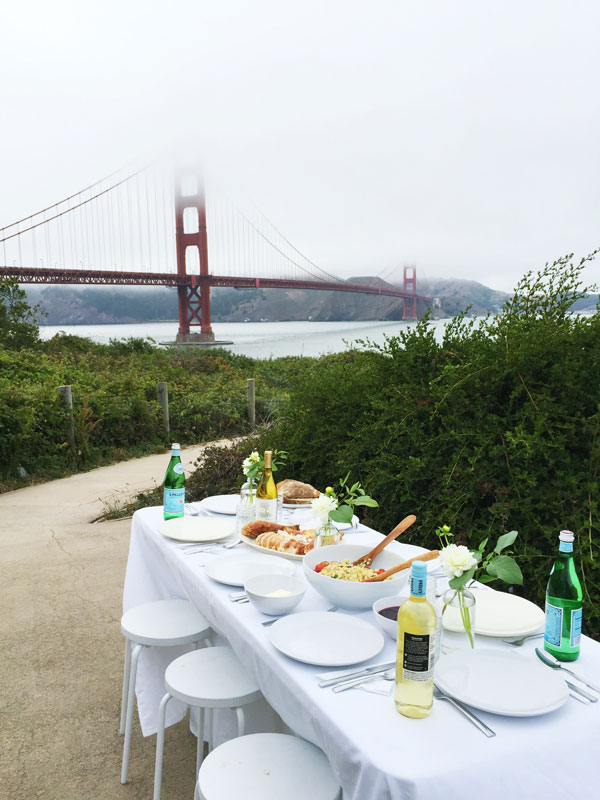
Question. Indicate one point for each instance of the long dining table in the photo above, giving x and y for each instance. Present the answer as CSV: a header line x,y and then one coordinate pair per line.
x,y
376,753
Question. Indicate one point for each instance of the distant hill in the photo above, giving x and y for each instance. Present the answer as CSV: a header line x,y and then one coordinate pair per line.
x,y
90,305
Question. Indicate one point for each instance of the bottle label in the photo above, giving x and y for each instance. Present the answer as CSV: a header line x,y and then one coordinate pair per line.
x,y
565,547
576,615
418,586
266,509
174,500
417,663
554,620
178,468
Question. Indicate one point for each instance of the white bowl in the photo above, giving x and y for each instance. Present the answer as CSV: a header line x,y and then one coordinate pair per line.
x,y
353,594
390,626
260,588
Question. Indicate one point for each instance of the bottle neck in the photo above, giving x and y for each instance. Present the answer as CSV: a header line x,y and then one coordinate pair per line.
x,y
418,586
566,547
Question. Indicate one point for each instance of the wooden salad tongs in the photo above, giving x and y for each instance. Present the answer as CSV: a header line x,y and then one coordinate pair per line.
x,y
367,559
429,556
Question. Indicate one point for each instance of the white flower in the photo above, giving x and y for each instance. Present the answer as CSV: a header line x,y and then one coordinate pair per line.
x,y
247,462
321,506
456,559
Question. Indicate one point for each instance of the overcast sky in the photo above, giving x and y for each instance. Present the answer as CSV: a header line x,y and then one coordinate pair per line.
x,y
461,135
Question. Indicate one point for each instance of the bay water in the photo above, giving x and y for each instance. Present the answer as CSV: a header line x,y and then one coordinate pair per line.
x,y
255,339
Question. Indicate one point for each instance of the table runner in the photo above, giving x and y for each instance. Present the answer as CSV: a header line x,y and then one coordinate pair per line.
x,y
376,753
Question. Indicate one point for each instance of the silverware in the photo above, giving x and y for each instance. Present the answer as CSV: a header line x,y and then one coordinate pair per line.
x,y
439,695
582,692
519,642
580,698
388,675
349,676
555,664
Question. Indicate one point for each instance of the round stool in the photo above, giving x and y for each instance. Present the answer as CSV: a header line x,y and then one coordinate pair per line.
x,y
267,766
164,623
208,678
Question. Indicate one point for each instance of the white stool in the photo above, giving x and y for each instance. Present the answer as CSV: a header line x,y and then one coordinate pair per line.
x,y
165,623
267,766
208,678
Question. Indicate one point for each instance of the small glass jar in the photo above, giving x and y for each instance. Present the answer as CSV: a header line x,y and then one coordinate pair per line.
x,y
244,510
327,534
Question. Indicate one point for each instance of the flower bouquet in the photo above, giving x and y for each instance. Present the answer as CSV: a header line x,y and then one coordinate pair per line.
x,y
337,505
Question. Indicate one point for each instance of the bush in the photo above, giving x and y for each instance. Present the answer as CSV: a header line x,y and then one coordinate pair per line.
x,y
495,428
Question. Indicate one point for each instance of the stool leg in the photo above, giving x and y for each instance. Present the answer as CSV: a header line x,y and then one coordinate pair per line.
x,y
209,726
129,716
200,744
241,720
160,742
125,685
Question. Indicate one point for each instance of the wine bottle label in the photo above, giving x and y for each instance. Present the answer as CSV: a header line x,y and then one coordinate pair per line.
x,y
554,620
178,468
418,657
576,627
174,500
266,509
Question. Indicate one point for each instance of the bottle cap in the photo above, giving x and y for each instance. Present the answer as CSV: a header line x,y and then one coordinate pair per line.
x,y
175,446
418,569
566,536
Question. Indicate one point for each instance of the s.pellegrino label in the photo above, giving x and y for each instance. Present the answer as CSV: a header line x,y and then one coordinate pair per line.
x,y
174,501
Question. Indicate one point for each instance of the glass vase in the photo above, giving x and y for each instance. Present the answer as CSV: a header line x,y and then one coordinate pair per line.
x,y
326,534
244,511
464,603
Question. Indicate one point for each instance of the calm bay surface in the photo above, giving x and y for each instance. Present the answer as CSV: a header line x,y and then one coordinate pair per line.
x,y
255,339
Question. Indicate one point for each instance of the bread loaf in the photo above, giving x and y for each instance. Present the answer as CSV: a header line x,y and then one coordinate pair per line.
x,y
297,492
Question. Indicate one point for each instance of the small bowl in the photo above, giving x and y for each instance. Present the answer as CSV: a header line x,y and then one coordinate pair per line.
x,y
260,589
389,626
353,594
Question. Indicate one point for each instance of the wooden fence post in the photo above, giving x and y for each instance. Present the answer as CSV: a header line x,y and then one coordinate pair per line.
x,y
67,399
251,395
163,402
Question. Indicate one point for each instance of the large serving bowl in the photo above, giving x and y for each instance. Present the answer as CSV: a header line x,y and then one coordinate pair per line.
x,y
351,594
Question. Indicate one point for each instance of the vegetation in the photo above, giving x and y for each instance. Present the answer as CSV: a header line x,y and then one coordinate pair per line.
x,y
494,428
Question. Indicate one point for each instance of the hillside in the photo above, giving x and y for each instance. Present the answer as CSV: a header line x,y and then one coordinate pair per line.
x,y
73,305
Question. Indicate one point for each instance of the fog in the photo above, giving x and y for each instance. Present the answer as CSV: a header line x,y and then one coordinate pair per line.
x,y
458,136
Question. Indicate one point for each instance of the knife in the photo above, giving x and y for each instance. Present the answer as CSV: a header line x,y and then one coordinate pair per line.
x,y
351,675
592,698
553,662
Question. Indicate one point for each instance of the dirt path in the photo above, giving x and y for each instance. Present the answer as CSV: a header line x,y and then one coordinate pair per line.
x,y
61,645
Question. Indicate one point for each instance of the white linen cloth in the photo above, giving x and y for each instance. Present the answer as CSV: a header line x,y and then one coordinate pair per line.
x,y
376,753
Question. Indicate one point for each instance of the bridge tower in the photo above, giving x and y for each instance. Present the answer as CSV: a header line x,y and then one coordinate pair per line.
x,y
410,287
194,299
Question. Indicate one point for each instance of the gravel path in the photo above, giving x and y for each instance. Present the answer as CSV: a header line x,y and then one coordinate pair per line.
x,y
61,645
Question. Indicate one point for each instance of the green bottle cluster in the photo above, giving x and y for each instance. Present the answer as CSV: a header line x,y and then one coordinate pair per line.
x,y
564,597
174,487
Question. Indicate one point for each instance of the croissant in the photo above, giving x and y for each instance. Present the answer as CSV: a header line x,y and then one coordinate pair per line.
x,y
254,529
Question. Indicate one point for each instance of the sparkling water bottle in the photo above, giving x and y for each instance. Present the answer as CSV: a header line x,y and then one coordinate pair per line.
x,y
174,493
563,604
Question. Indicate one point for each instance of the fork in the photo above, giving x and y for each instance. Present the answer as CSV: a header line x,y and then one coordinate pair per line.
x,y
519,642
439,695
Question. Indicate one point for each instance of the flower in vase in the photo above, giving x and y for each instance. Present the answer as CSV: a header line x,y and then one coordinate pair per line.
x,y
456,559
247,463
321,506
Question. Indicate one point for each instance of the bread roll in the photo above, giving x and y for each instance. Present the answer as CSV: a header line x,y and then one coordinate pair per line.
x,y
297,492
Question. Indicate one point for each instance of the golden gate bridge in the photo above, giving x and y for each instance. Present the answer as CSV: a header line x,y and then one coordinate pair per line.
x,y
145,227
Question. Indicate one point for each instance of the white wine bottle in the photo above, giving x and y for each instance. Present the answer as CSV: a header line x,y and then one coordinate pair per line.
x,y
266,492
415,657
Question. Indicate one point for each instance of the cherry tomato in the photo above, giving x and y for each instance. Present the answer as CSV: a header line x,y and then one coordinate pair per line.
x,y
321,566
379,571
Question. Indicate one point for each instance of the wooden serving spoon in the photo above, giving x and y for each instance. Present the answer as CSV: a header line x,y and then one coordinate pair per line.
x,y
429,556
367,559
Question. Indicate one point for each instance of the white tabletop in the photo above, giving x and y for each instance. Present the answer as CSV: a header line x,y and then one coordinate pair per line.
x,y
376,753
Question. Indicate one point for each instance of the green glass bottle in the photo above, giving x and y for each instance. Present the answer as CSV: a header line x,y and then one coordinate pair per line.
x,y
174,491
563,604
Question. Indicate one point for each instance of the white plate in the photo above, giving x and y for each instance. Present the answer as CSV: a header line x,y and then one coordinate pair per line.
x,y
236,570
252,543
196,529
299,505
501,682
221,503
326,639
499,614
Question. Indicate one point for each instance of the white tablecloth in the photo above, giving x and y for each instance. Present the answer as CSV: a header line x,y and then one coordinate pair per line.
x,y
376,753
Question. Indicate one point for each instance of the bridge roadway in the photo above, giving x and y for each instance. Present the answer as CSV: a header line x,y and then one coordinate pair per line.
x,y
107,277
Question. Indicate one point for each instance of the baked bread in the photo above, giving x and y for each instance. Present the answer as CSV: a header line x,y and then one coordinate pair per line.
x,y
296,491
283,542
258,526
